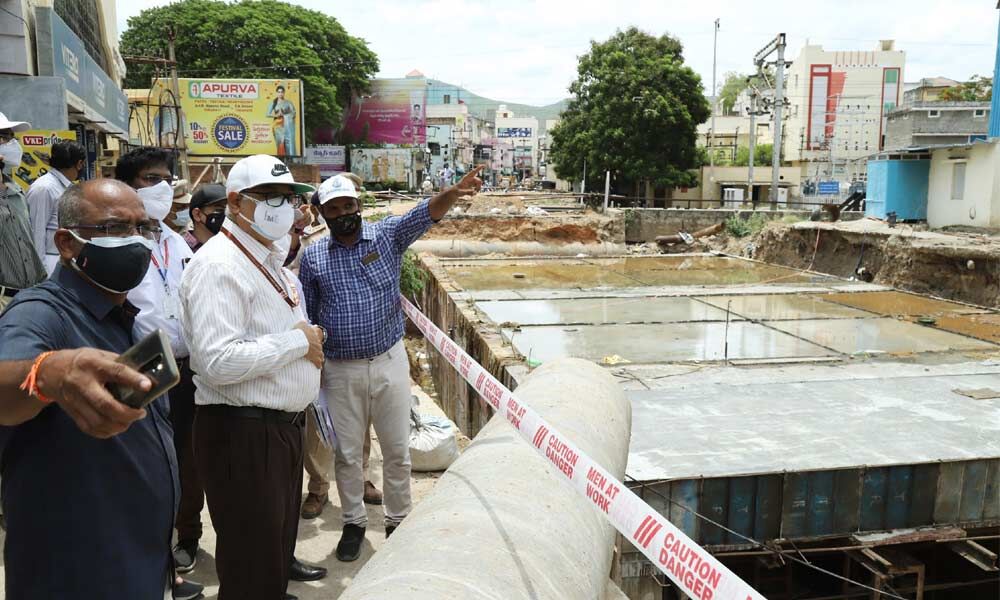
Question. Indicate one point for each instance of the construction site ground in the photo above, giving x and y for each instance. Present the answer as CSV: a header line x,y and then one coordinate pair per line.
x,y
962,265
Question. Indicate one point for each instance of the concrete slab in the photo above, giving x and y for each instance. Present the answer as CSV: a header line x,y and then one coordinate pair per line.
x,y
600,311
621,272
660,343
882,335
705,430
983,327
652,291
783,307
901,304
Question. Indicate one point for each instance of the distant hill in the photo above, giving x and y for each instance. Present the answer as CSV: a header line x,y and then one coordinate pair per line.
x,y
487,107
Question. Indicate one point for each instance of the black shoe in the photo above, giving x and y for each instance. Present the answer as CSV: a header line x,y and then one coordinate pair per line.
x,y
389,529
188,590
300,571
349,546
290,597
185,556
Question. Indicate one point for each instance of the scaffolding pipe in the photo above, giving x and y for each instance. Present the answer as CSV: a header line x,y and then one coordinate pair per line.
x,y
500,523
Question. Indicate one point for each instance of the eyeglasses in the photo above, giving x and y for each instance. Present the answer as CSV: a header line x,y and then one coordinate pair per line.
x,y
153,178
277,200
6,137
146,230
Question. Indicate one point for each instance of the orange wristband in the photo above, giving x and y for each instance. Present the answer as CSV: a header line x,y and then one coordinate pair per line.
x,y
30,383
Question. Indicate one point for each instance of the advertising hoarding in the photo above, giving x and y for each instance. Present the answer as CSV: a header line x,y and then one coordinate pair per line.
x,y
234,117
37,146
393,112
382,164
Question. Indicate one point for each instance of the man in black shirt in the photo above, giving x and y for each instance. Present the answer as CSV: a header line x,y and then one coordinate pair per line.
x,y
89,485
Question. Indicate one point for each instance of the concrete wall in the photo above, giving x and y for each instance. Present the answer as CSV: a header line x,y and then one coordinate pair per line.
x,y
980,206
644,224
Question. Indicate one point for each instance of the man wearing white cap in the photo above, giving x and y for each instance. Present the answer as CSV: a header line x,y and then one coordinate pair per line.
x,y
351,286
256,362
20,266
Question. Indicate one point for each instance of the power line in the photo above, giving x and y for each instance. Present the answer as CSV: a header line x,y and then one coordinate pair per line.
x,y
758,544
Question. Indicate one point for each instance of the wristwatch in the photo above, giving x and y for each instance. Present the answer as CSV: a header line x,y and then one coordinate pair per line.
x,y
323,331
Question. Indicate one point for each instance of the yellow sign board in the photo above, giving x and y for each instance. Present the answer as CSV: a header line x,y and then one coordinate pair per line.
x,y
37,147
236,117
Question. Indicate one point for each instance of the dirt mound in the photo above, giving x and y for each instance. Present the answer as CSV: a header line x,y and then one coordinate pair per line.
x,y
961,271
484,204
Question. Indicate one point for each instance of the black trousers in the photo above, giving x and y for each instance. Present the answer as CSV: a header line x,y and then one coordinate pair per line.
x,y
252,473
188,522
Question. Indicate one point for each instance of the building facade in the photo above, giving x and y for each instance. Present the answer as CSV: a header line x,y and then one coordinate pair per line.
x,y
517,144
927,89
60,69
838,105
933,123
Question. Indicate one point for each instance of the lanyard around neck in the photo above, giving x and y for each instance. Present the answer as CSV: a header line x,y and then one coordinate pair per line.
x,y
292,300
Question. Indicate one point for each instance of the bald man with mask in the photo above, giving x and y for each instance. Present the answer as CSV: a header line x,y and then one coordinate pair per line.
x,y
89,484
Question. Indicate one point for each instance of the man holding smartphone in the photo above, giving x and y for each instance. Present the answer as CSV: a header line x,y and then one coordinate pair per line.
x,y
63,436
256,362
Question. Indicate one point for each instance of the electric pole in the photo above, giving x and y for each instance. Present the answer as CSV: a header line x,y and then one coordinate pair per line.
x,y
775,45
753,143
715,99
175,87
779,103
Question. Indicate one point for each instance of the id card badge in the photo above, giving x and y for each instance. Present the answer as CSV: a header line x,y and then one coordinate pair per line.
x,y
171,304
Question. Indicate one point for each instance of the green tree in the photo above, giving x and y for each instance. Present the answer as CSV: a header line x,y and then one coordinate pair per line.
x,y
734,83
254,39
977,89
762,154
635,111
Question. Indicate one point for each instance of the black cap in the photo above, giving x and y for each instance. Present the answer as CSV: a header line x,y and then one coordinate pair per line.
x,y
209,193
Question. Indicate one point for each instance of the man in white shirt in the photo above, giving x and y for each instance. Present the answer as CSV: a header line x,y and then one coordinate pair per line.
x,y
69,159
256,362
148,171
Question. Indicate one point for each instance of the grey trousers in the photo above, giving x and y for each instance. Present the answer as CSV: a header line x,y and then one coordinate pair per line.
x,y
319,458
375,390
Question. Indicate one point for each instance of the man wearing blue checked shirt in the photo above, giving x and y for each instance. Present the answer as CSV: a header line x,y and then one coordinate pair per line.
x,y
351,288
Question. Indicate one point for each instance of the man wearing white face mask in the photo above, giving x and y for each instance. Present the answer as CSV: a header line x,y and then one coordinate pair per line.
x,y
20,266
256,363
147,170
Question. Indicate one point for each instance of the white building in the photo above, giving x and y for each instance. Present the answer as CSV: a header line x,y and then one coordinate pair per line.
x,y
964,186
838,102
516,151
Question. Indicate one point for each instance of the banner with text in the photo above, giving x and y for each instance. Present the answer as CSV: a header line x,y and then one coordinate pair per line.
x,y
234,117
37,147
394,111
331,160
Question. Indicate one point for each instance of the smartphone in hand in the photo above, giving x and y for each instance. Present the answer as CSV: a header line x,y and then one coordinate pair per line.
x,y
152,357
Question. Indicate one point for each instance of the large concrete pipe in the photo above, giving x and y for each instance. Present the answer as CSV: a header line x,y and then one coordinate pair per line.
x,y
501,523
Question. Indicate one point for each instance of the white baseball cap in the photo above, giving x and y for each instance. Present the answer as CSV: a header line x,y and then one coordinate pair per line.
x,y
6,123
337,186
261,169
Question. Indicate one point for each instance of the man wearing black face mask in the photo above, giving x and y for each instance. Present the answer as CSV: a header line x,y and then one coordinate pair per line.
x,y
208,211
351,286
89,484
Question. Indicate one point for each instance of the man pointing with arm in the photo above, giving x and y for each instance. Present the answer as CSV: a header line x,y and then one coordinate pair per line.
x,y
351,285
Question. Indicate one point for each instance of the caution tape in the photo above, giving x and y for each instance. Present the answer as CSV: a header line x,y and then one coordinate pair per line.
x,y
696,572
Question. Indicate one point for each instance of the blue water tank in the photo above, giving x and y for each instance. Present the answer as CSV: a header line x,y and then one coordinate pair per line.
x,y
898,186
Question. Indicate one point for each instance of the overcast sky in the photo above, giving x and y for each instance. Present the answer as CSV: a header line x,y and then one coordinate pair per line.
x,y
524,51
